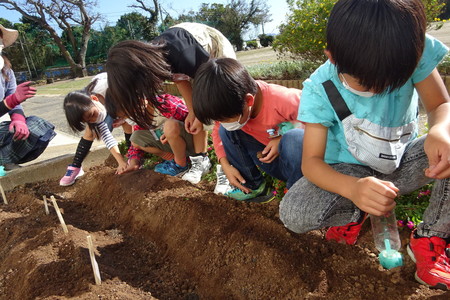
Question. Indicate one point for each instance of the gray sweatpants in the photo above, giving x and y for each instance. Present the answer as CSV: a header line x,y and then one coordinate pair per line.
x,y
307,207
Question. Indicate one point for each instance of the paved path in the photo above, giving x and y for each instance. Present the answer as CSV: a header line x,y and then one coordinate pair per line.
x,y
65,142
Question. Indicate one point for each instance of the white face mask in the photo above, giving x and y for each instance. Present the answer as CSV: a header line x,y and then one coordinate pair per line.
x,y
101,111
359,93
232,126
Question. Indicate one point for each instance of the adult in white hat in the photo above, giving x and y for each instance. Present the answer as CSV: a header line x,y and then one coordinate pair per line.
x,y
22,139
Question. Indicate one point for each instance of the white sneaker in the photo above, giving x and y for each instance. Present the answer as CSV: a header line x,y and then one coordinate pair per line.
x,y
222,184
200,165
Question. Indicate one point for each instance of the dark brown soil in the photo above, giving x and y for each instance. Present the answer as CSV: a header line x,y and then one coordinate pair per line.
x,y
158,236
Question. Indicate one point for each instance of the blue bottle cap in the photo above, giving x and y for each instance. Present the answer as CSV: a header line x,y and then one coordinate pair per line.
x,y
390,259
2,171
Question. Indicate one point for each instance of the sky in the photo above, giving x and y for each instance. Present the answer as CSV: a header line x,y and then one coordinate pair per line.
x,y
113,9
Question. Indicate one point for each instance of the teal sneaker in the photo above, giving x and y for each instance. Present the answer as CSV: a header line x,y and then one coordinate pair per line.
x,y
259,195
170,167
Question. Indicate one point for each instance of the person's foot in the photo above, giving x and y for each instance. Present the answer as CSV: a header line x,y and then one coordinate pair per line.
x,y
347,234
222,183
237,194
170,167
200,165
71,176
432,262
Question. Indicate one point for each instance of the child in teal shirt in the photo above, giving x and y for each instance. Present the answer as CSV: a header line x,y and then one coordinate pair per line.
x,y
361,148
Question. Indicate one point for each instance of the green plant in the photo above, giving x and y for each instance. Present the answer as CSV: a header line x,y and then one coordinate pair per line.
x,y
410,207
251,44
304,33
433,9
265,40
284,70
444,66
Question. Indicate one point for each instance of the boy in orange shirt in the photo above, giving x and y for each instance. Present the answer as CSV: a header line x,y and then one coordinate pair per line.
x,y
246,135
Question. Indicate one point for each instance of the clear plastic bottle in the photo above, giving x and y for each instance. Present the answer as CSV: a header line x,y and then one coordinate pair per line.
x,y
387,240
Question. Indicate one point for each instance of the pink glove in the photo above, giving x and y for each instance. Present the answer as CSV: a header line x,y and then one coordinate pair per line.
x,y
23,92
19,125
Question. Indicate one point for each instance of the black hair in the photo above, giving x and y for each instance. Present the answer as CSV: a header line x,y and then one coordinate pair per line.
x,y
220,88
136,72
76,104
6,66
379,42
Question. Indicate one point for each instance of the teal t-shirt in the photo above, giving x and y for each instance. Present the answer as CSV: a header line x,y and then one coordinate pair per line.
x,y
394,109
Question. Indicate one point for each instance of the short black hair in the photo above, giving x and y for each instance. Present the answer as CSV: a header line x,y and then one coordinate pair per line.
x,y
219,91
379,42
75,105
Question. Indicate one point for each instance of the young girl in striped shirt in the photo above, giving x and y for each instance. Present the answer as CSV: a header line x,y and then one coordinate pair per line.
x,y
86,107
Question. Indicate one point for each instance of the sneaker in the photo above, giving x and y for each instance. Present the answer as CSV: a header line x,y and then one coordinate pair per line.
x,y
72,174
170,167
200,165
240,195
222,183
432,263
347,234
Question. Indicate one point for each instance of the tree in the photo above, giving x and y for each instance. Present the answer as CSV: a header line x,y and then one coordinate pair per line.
x,y
304,34
149,29
64,13
232,19
136,27
34,48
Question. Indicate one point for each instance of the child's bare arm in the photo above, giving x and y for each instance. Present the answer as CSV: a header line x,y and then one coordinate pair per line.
x,y
436,101
119,158
192,125
371,195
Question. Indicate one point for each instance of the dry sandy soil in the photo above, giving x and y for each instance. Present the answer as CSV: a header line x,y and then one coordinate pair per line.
x,y
158,236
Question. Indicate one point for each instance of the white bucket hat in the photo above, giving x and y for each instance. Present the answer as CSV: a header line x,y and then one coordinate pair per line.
x,y
9,36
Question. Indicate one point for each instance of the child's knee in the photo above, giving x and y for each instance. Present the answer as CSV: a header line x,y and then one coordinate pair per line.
x,y
291,216
171,128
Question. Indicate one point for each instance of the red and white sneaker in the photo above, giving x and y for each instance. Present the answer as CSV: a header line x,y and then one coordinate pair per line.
x,y
72,174
347,234
432,262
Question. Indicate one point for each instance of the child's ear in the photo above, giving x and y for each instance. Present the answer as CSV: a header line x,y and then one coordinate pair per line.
x,y
329,55
94,98
250,99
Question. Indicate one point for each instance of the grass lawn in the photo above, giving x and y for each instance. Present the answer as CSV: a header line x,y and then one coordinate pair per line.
x,y
63,87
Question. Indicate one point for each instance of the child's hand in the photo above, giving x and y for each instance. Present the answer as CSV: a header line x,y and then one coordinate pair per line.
x,y
192,125
374,196
271,151
118,122
163,139
437,148
130,166
121,168
235,178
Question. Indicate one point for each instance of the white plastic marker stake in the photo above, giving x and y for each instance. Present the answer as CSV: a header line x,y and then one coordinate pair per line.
x,y
95,269
60,217
47,212
3,173
3,194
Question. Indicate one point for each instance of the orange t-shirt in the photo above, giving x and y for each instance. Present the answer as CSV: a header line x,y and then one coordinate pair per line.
x,y
279,104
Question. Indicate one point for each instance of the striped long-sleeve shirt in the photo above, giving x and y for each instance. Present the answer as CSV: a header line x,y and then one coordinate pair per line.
x,y
106,135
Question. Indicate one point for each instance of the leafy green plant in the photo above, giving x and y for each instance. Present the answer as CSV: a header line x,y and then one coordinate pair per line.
x,y
410,207
444,66
304,33
284,70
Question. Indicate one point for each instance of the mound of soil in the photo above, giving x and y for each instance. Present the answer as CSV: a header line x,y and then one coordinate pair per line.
x,y
161,237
